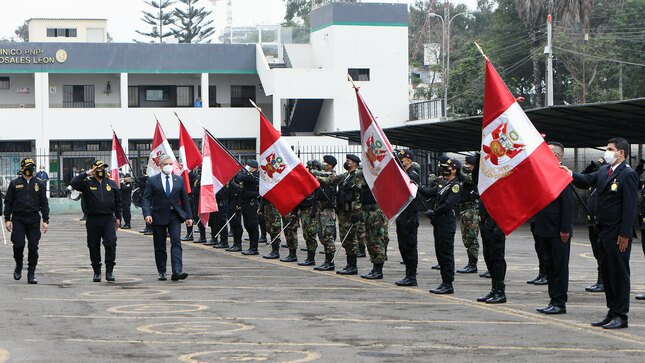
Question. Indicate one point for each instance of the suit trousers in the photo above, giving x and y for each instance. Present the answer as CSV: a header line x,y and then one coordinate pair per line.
x,y
556,265
494,246
614,267
172,230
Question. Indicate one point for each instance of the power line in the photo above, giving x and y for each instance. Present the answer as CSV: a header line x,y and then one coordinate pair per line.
x,y
601,58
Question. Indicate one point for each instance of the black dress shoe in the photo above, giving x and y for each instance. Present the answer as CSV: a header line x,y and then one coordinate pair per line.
x,y
31,279
234,248
499,297
436,267
604,321
110,277
595,288
616,323
210,243
407,281
17,273
443,289
250,252
554,310
162,276
541,281
221,245
273,255
143,230
468,269
485,297
485,275
148,233
180,276
96,278
640,297
541,310
126,226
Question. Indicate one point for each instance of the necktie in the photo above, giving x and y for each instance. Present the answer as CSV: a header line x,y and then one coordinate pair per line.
x,y
168,185
610,172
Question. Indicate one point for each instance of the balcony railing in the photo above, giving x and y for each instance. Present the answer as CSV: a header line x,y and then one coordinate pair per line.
x,y
425,110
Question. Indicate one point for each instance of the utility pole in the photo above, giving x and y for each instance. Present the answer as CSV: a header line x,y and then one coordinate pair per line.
x,y
620,80
549,61
446,64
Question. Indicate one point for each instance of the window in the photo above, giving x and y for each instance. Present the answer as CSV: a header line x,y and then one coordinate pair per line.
x,y
4,84
62,32
359,74
133,96
240,96
158,94
71,33
78,96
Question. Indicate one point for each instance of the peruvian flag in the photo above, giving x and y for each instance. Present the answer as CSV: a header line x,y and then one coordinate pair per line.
x,y
160,147
284,180
118,158
188,154
390,185
518,173
218,168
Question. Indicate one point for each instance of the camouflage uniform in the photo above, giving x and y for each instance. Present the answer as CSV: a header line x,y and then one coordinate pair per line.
x,y
290,223
272,217
361,236
375,224
309,220
469,221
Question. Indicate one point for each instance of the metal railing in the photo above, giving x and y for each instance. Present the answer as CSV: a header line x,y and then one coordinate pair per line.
x,y
426,110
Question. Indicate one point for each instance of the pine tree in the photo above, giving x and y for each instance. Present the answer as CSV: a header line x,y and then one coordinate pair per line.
x,y
192,25
162,17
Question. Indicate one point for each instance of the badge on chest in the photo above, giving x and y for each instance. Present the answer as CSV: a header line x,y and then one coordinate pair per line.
x,y
614,186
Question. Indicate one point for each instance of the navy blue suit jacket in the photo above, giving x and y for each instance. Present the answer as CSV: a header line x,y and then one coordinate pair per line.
x,y
556,217
159,206
616,199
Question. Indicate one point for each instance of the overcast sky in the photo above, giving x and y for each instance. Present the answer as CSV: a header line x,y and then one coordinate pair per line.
x,y
124,15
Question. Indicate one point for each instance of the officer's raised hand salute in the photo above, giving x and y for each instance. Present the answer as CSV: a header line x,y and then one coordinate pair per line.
x,y
25,202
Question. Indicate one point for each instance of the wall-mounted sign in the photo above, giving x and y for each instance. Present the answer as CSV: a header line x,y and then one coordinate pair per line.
x,y
23,90
52,90
30,56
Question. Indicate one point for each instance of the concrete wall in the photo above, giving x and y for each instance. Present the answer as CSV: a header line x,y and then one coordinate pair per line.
x,y
38,30
99,81
11,98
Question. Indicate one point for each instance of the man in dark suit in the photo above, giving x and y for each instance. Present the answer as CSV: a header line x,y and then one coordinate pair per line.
x,y
165,207
617,188
553,227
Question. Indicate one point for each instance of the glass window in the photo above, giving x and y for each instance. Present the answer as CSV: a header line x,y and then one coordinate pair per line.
x,y
51,33
60,32
359,74
158,94
71,33
240,96
4,83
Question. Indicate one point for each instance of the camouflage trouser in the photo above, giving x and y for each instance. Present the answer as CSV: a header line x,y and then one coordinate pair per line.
x,y
290,223
327,228
469,220
377,235
309,220
361,235
272,218
351,242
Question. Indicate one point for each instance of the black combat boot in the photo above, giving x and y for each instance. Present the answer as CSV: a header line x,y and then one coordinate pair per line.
x,y
311,259
211,242
237,247
292,256
351,268
17,272
222,244
361,251
443,288
275,251
470,268
31,275
376,273
487,296
408,280
499,295
97,273
328,265
109,273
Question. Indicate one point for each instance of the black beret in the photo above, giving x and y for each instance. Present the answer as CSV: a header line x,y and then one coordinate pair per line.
x,y
252,163
98,164
405,153
354,158
329,159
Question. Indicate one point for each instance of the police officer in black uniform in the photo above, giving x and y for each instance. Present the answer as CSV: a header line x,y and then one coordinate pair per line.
x,y
25,202
443,218
218,219
194,181
103,201
249,194
236,208
599,286
407,225
127,184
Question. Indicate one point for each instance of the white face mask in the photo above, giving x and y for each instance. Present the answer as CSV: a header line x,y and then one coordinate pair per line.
x,y
167,169
248,168
610,157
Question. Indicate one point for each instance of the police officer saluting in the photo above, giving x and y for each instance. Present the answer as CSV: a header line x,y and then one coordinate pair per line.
x,y
25,202
103,201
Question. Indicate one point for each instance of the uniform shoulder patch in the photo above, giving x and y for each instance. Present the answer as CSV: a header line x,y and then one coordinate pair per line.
x,y
455,188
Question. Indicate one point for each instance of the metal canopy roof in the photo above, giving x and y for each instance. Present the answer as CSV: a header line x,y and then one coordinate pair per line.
x,y
588,125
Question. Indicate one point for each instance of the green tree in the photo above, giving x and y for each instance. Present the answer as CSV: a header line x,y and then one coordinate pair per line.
x,y
160,18
22,32
193,25
297,11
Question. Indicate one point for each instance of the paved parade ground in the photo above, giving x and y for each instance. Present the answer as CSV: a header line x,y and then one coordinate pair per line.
x,y
234,308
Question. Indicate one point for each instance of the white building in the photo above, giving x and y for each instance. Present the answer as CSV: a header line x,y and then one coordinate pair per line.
x,y
59,100
48,30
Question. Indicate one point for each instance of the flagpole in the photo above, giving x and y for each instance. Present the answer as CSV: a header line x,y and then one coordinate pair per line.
x,y
481,51
126,156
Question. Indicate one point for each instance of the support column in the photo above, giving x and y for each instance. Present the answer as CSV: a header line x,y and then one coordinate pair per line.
x,y
124,90
205,86
41,101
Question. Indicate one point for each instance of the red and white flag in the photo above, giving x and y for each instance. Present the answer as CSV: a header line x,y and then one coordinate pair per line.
x,y
518,173
189,155
160,147
390,185
118,158
218,167
284,180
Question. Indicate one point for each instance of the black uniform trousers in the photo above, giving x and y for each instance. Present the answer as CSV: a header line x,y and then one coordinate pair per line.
x,y
539,249
29,227
236,225
407,227
126,202
614,267
172,230
444,230
217,221
263,225
494,246
251,221
556,267
101,227
593,240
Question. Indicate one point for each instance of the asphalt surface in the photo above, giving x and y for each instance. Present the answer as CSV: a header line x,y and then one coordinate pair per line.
x,y
234,308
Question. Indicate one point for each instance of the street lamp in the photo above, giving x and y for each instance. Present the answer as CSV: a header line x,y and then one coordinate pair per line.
x,y
446,48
